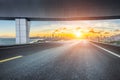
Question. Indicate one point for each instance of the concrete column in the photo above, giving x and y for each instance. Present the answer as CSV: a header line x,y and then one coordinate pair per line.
x,y
22,31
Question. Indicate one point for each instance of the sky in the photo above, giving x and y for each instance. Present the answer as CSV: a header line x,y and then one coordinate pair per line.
x,y
7,28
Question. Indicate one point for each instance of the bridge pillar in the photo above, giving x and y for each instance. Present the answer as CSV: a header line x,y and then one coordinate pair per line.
x,y
22,31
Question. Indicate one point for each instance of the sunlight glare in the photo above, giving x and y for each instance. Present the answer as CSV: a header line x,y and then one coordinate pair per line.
x,y
78,34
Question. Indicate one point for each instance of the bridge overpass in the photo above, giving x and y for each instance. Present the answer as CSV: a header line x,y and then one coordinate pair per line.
x,y
24,11
69,60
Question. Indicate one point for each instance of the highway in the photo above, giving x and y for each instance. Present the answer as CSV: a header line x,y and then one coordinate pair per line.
x,y
73,60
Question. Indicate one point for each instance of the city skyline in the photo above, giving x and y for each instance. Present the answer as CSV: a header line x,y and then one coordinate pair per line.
x,y
41,28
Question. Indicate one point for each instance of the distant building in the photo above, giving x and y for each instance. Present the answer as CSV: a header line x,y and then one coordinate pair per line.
x,y
113,38
116,37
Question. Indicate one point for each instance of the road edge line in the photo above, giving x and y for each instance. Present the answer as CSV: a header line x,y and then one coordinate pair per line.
x,y
113,53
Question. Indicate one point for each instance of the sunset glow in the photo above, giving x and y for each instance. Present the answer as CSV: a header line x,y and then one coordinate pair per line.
x,y
78,34
66,29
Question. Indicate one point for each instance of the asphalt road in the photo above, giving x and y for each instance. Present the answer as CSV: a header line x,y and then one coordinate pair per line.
x,y
76,60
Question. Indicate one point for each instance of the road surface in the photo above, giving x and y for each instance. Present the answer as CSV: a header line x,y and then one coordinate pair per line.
x,y
76,60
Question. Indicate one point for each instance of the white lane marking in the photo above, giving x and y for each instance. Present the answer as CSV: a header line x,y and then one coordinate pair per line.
x,y
8,59
107,50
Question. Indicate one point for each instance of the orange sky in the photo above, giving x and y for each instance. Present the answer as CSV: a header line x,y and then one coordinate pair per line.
x,y
65,28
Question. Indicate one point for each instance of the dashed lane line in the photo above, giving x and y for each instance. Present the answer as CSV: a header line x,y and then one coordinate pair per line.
x,y
9,59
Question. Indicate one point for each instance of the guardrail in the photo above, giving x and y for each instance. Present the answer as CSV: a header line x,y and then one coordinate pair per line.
x,y
29,45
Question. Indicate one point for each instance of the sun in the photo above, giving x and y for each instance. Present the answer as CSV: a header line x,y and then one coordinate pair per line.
x,y
78,34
